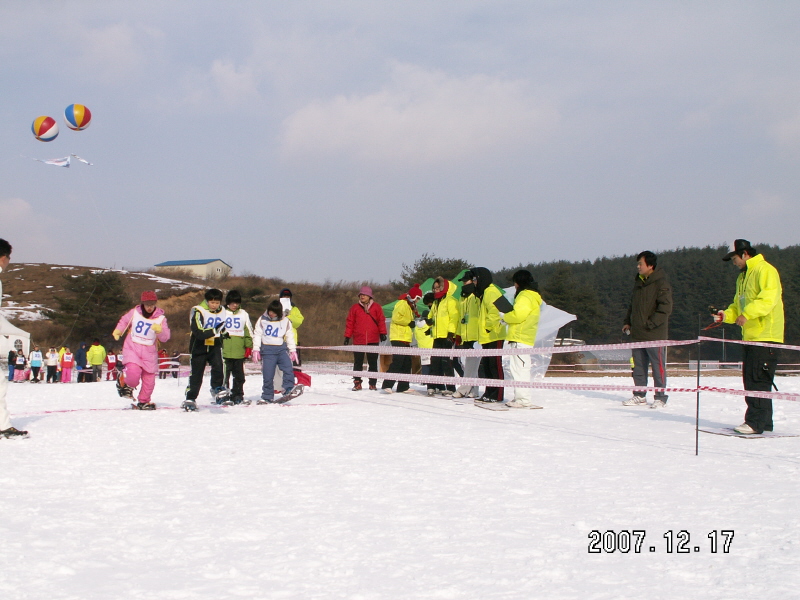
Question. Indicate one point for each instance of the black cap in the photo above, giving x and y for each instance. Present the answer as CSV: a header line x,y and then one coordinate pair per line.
x,y
738,247
467,275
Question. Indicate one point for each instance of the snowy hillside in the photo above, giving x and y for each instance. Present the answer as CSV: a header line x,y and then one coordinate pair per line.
x,y
360,495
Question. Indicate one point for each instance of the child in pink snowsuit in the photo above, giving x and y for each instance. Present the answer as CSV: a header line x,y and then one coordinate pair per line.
x,y
67,362
147,324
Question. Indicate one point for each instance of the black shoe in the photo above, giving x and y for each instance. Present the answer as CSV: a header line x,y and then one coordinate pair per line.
x,y
13,432
143,406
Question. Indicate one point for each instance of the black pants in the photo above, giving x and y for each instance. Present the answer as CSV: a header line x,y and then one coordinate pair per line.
x,y
442,365
35,372
358,364
213,357
758,373
401,363
52,372
493,369
235,367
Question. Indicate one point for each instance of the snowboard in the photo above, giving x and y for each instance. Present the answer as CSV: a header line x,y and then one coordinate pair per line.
x,y
290,395
728,431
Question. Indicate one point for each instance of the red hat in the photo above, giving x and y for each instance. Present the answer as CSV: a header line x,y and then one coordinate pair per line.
x,y
149,296
415,293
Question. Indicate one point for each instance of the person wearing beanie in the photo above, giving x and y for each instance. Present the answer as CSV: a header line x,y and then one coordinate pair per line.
x,y
365,326
523,323
237,345
207,322
274,347
295,316
467,333
146,325
443,318
757,308
491,331
401,331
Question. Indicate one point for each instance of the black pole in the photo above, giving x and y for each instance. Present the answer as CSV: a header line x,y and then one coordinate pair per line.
x,y
697,385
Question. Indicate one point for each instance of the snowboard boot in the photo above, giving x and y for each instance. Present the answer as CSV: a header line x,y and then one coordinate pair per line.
x,y
13,433
189,405
143,406
123,390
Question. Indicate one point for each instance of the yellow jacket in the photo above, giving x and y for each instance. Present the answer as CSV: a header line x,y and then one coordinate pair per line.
x,y
402,315
297,318
491,329
96,354
469,326
445,314
758,298
423,339
523,321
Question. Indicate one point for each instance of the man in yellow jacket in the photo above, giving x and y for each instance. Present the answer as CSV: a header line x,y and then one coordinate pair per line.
x,y
401,330
523,323
757,308
443,318
492,331
467,333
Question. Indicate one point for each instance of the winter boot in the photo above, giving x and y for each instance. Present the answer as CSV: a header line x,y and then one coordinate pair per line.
x,y
123,390
13,433
357,386
189,405
143,406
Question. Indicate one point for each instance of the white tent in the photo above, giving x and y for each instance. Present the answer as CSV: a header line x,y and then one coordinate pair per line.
x,y
12,337
551,319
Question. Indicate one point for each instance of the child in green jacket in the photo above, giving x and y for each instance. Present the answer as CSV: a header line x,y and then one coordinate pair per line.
x,y
237,345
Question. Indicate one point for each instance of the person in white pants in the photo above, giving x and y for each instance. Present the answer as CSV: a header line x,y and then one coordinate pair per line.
x,y
523,321
6,429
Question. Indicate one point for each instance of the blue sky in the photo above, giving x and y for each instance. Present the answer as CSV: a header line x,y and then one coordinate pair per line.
x,y
315,141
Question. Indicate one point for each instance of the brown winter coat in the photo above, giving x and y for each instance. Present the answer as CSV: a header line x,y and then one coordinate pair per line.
x,y
650,307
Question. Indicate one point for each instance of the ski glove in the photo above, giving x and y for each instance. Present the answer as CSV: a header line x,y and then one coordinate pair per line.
x,y
383,337
458,340
256,356
293,356
719,317
157,327
248,352
346,341
412,324
117,334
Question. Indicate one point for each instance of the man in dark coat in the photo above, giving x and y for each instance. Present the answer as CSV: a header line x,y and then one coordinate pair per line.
x,y
647,321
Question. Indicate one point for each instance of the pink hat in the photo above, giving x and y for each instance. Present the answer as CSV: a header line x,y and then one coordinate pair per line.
x,y
366,290
149,296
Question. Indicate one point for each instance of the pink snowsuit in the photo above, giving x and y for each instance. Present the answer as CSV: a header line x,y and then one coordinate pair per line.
x,y
141,361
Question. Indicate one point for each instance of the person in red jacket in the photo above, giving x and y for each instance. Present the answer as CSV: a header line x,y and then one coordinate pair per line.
x,y
366,326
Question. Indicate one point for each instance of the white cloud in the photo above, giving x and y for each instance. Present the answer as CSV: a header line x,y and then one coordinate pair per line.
x,y
223,81
420,116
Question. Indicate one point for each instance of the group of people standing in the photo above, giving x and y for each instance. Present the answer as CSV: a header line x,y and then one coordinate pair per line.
x,y
59,364
480,315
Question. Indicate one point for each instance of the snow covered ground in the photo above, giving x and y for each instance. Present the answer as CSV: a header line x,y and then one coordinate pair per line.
x,y
360,495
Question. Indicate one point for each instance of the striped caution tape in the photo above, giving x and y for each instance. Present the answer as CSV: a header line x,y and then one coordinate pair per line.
x,y
507,383
499,351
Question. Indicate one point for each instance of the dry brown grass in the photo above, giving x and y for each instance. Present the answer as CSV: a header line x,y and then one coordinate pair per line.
x,y
324,306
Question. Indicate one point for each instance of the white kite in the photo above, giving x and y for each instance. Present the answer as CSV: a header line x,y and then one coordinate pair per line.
x,y
61,162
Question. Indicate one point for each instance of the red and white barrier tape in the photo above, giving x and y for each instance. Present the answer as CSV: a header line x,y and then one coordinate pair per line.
x,y
506,383
744,343
413,350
